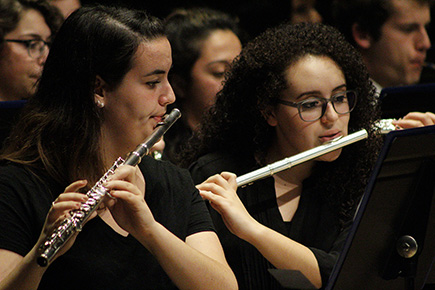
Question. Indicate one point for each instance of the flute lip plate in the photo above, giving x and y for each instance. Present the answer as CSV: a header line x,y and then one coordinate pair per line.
x,y
335,139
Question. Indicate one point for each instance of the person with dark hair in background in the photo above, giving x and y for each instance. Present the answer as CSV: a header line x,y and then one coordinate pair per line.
x,y
66,7
103,91
26,30
204,42
292,88
391,36
305,11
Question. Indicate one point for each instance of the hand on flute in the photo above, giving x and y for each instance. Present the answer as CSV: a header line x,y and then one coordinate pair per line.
x,y
220,191
416,119
60,210
128,208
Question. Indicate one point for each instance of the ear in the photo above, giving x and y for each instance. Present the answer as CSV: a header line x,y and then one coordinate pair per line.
x,y
270,116
99,89
362,38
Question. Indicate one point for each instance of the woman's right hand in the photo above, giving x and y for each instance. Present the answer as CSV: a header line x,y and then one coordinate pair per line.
x,y
220,191
69,200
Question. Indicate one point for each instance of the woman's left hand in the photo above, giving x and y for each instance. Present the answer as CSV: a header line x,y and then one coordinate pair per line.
x,y
416,119
129,209
220,191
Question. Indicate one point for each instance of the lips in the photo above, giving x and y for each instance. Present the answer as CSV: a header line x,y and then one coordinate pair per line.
x,y
158,118
329,136
419,61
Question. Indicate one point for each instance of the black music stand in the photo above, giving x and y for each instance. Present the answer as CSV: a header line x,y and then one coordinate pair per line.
x,y
391,244
396,102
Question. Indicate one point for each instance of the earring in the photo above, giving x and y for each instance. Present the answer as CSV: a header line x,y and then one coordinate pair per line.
x,y
100,104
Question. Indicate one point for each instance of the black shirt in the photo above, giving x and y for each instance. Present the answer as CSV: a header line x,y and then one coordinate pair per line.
x,y
100,258
314,224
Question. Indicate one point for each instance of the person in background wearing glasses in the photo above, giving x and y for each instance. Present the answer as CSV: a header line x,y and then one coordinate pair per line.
x,y
26,29
293,88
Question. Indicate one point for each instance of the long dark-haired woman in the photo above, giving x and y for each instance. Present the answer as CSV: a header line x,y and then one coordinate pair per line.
x,y
103,90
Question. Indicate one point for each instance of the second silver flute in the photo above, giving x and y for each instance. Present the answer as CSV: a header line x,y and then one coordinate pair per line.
x,y
288,162
74,223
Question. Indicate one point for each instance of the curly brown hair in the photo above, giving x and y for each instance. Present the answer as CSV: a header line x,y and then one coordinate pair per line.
x,y
235,125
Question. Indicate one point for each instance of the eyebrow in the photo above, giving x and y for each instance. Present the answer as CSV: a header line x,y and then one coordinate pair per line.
x,y
33,36
155,72
316,92
219,61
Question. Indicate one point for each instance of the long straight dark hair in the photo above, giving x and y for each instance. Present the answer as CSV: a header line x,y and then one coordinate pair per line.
x,y
59,130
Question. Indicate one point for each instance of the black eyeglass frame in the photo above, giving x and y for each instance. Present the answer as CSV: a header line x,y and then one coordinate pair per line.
x,y
324,104
28,42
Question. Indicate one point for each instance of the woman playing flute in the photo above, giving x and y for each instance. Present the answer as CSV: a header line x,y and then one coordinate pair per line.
x,y
291,89
103,91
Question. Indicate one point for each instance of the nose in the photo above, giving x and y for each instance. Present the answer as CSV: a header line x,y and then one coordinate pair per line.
x,y
168,96
330,115
423,41
41,60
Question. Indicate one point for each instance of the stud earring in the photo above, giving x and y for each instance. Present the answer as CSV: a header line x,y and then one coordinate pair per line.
x,y
100,104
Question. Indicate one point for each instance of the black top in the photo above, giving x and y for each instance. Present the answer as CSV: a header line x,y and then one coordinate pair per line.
x,y
100,258
9,114
314,224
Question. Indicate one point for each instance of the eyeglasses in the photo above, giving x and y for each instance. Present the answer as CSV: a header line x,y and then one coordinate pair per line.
x,y
35,47
314,108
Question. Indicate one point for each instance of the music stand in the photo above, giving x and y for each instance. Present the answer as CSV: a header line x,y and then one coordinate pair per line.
x,y
396,213
396,102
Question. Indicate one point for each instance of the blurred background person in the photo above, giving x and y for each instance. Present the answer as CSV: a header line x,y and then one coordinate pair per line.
x,y
26,30
66,7
391,35
305,11
254,16
204,43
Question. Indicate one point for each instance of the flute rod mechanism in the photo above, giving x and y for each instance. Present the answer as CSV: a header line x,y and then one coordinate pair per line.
x,y
73,224
289,162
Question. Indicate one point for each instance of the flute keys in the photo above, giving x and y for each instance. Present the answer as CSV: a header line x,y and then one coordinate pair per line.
x,y
85,207
91,201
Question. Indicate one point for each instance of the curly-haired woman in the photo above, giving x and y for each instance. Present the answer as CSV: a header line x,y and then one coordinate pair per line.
x,y
292,88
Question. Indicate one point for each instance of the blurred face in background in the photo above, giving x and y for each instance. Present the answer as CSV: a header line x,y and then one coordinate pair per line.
x,y
217,52
305,11
19,71
398,56
66,7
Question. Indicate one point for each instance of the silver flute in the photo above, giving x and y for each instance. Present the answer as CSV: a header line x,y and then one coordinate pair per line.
x,y
78,218
307,155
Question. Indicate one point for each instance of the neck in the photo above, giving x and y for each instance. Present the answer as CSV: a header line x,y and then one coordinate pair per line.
x,y
110,150
295,175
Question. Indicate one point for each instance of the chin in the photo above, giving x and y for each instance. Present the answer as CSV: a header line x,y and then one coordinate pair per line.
x,y
331,156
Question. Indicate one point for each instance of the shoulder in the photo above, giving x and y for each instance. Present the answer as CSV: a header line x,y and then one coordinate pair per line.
x,y
12,170
15,176
21,180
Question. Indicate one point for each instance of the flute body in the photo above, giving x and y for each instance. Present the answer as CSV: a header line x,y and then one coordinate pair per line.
x,y
78,218
289,162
